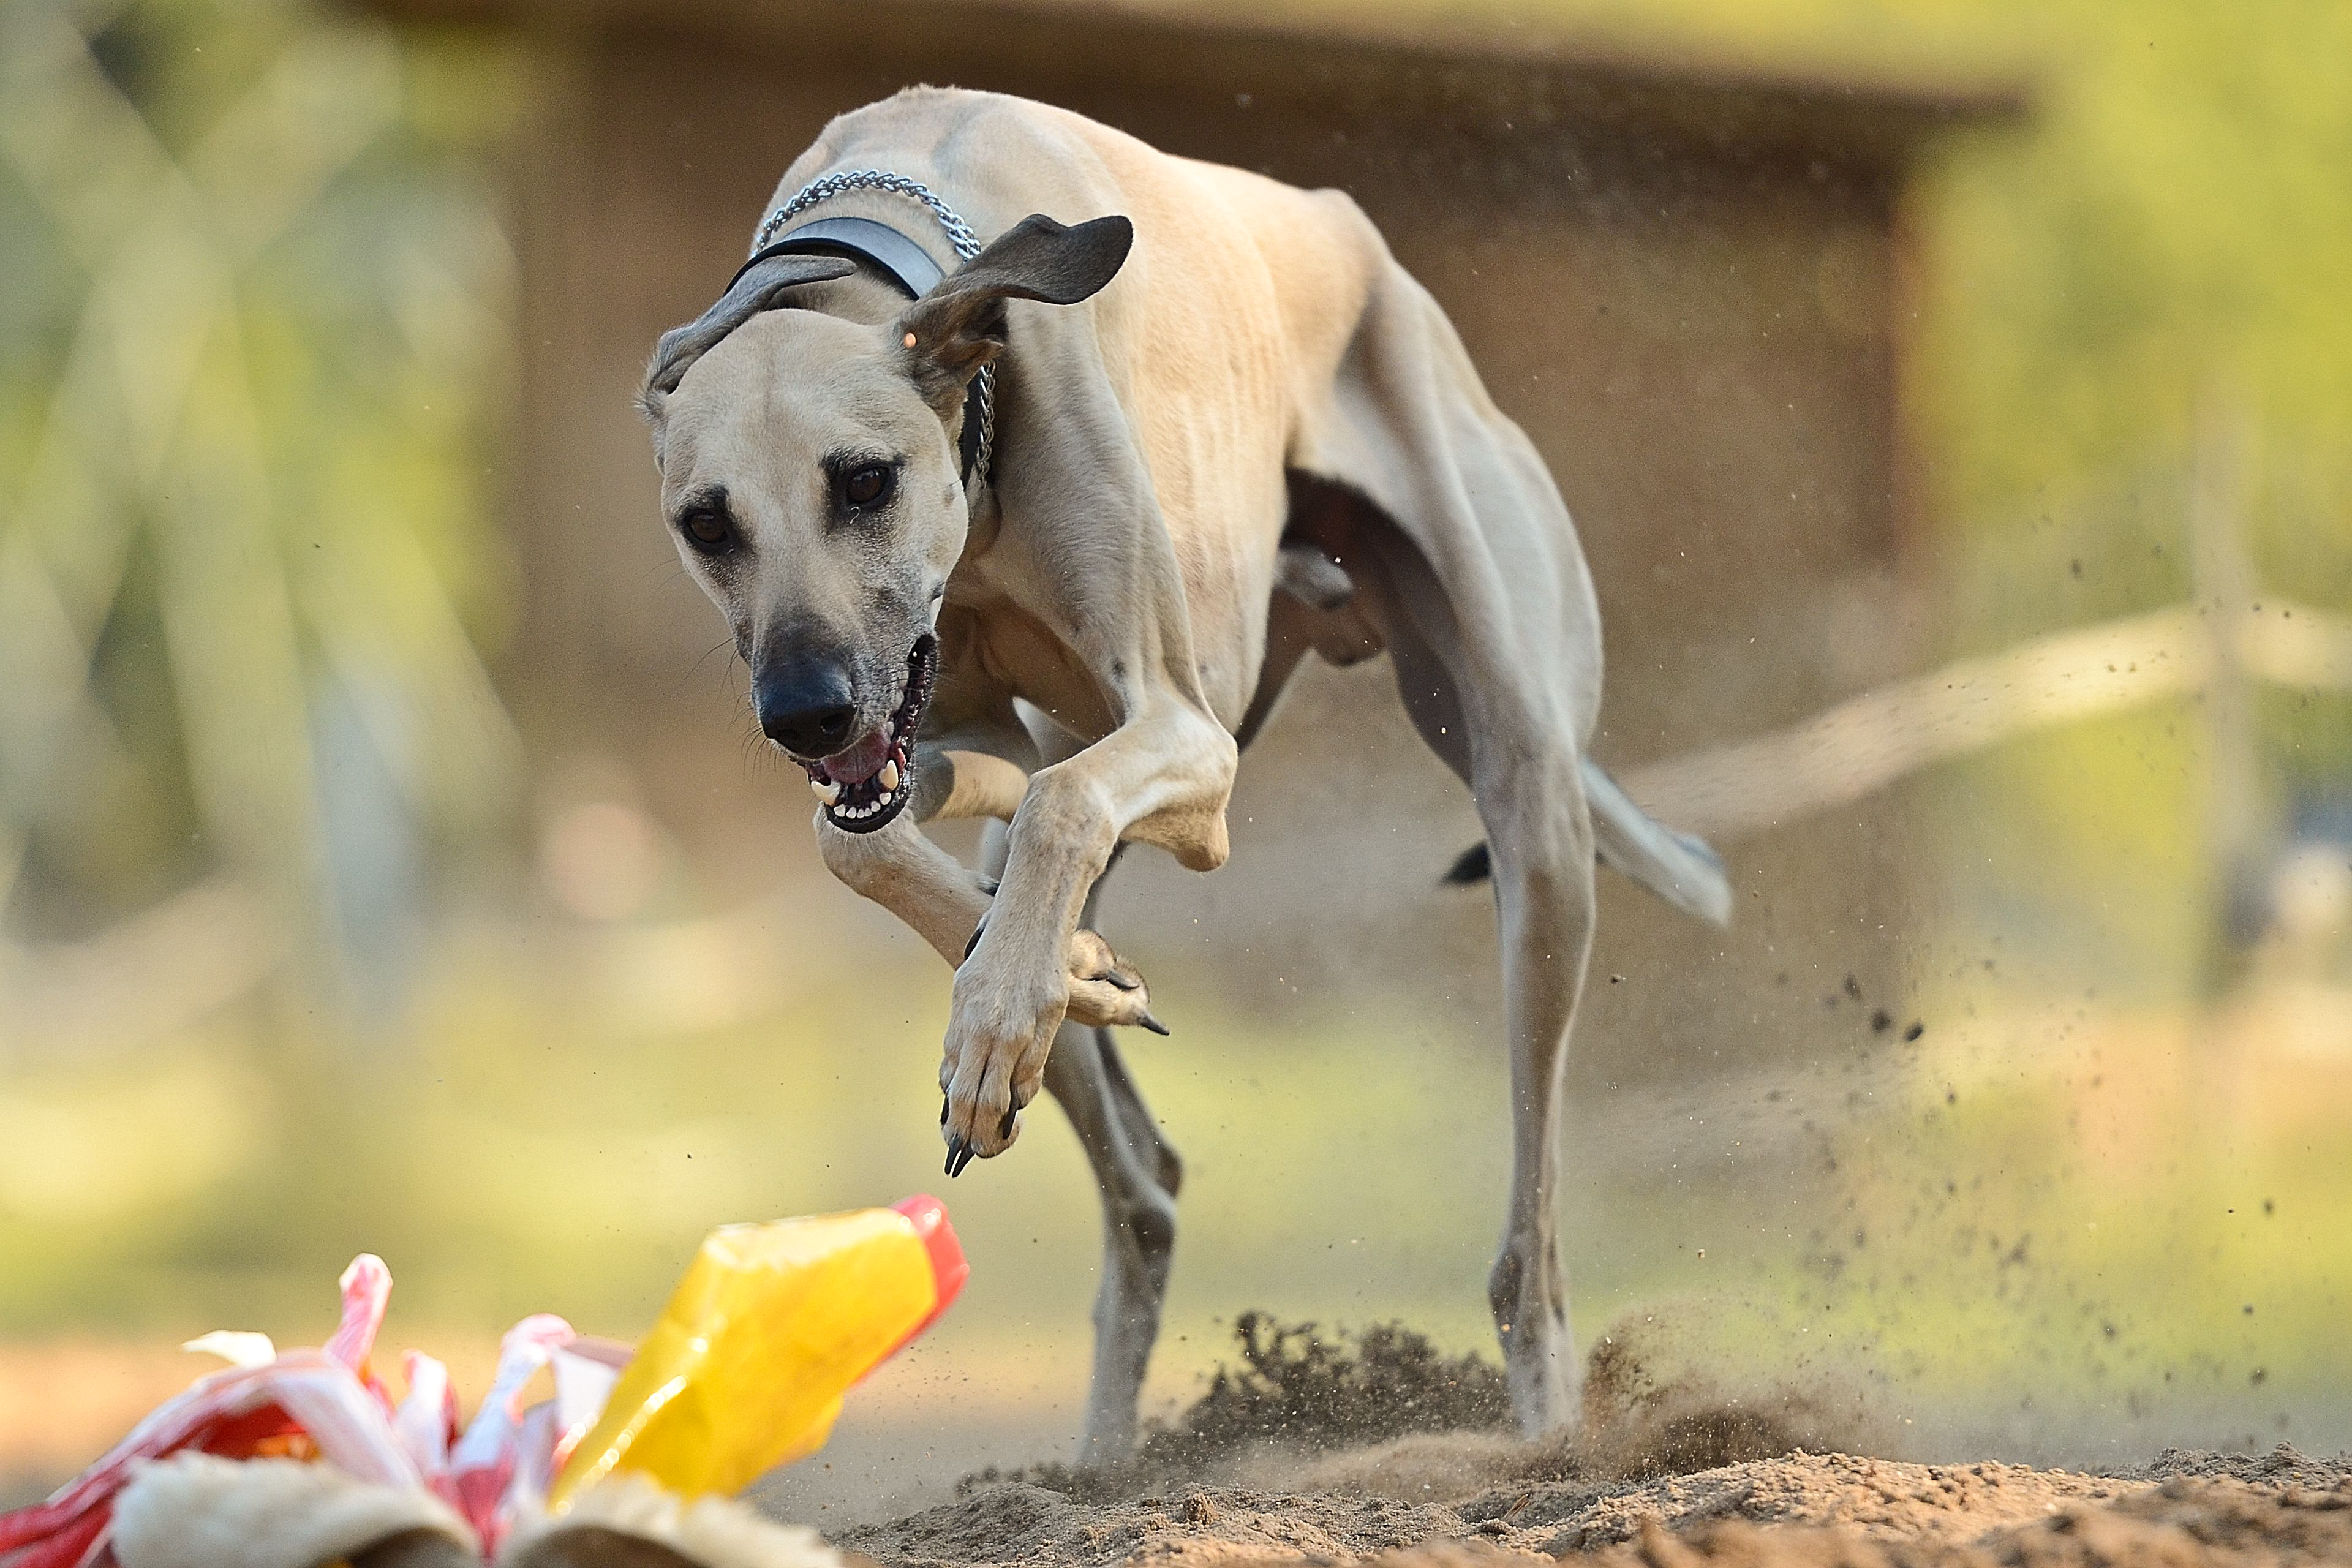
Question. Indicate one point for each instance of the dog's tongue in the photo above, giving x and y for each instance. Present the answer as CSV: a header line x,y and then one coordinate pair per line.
x,y
860,762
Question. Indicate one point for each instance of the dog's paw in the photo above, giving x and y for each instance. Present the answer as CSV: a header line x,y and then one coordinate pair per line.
x,y
1000,1032
1105,991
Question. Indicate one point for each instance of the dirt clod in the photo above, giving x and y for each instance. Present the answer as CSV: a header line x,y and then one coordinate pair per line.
x,y
1299,1391
1642,1419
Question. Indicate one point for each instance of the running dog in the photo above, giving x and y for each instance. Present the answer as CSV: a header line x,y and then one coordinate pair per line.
x,y
1037,529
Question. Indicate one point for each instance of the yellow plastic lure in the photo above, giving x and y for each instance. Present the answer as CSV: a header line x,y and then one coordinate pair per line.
x,y
773,1323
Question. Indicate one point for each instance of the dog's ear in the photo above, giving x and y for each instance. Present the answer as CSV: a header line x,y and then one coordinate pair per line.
x,y
960,325
759,289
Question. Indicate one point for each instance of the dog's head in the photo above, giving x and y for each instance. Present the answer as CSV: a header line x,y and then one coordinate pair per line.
x,y
810,474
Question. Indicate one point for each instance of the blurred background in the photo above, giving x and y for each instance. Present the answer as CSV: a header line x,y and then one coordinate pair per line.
x,y
1954,401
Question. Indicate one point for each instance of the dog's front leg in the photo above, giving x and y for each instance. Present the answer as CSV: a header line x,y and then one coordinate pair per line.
x,y
1162,778
899,869
942,902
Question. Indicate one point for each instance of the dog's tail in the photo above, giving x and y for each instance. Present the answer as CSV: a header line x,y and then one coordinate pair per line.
x,y
1681,869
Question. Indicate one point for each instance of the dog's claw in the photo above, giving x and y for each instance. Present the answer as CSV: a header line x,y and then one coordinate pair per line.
x,y
943,1110
1152,1023
955,1150
1004,1128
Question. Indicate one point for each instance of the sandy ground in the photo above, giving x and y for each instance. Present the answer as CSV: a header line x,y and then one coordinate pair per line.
x,y
1408,1502
1670,1473
1319,1449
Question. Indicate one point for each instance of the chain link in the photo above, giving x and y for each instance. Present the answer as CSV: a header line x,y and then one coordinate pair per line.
x,y
826,188
960,235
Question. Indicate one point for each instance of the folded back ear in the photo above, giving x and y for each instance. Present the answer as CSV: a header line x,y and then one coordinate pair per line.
x,y
960,325
761,288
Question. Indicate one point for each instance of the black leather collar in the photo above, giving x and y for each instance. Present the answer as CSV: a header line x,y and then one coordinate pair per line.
x,y
905,263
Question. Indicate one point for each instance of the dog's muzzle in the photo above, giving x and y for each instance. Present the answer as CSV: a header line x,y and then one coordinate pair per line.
x,y
863,786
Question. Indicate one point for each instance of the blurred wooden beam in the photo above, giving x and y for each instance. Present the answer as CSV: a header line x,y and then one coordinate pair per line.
x,y
1409,62
1877,739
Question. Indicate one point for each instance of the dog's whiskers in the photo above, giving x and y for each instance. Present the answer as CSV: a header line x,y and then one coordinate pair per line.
x,y
696,667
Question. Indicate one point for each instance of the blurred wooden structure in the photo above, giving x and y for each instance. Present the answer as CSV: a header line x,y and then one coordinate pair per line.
x,y
1688,283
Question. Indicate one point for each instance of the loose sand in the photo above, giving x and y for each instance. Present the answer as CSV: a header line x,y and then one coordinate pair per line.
x,y
1799,1509
1314,1451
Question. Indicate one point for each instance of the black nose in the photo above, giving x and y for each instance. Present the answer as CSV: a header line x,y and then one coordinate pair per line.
x,y
805,706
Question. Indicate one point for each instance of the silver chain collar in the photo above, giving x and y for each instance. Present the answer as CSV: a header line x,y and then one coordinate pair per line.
x,y
960,235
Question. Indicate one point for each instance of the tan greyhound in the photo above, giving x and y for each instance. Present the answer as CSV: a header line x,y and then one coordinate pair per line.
x,y
1038,531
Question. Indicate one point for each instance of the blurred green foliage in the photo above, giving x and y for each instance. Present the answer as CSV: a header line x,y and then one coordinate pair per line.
x,y
249,357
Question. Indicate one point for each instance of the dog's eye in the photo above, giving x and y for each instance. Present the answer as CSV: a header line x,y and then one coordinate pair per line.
x,y
870,486
705,529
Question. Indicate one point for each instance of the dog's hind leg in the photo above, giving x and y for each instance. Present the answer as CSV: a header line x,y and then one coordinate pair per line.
x,y
1541,839
1167,1166
1136,1173
1530,793
1491,613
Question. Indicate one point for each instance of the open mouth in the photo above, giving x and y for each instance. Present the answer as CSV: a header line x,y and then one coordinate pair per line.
x,y
862,786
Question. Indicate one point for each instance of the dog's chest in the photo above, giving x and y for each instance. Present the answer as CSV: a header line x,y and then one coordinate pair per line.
x,y
1003,645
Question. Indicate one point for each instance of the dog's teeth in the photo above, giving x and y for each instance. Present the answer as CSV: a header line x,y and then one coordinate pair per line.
x,y
825,791
888,777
